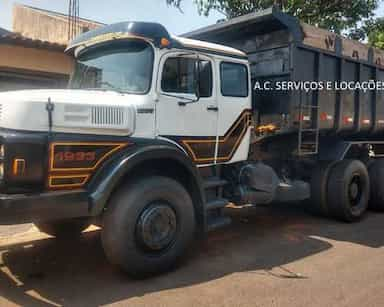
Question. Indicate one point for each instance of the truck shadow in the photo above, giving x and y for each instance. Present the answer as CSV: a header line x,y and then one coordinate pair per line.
x,y
49,272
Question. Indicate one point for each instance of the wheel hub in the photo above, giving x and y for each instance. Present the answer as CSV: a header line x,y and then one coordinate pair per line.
x,y
355,190
156,227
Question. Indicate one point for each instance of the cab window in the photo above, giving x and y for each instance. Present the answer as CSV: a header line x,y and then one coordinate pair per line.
x,y
234,79
179,75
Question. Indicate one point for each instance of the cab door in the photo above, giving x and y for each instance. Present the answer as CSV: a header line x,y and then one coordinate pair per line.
x,y
181,116
235,114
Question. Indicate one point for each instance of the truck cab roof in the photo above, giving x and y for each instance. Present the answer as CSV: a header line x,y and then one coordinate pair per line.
x,y
152,32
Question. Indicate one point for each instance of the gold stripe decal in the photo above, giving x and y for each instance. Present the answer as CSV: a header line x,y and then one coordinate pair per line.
x,y
69,181
203,150
71,164
81,156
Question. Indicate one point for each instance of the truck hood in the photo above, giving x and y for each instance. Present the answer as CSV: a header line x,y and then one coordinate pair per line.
x,y
74,111
72,96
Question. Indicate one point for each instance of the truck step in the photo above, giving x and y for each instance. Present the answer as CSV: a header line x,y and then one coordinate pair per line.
x,y
218,222
213,182
216,204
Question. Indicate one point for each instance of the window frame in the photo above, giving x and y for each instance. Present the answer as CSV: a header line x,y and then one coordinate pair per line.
x,y
117,43
222,63
200,58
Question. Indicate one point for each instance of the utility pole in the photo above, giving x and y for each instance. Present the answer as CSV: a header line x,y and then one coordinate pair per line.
x,y
73,19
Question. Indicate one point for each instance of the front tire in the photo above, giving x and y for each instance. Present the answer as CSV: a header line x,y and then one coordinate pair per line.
x,y
348,190
148,226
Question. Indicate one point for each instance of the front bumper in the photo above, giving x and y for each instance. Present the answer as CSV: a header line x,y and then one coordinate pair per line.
x,y
26,208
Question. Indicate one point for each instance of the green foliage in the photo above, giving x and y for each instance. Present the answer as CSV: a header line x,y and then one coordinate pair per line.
x,y
372,30
335,15
375,32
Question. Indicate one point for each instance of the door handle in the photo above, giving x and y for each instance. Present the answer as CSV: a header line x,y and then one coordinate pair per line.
x,y
212,108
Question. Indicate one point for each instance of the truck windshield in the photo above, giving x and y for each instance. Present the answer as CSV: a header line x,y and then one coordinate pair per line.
x,y
121,66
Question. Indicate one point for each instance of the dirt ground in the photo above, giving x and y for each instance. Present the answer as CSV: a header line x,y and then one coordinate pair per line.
x,y
280,256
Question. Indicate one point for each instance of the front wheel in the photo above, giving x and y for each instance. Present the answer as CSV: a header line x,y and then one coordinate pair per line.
x,y
148,225
348,190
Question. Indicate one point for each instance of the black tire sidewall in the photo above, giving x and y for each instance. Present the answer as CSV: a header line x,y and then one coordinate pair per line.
x,y
376,175
337,188
118,235
319,180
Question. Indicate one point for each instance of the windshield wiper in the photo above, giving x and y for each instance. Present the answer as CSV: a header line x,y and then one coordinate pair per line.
x,y
110,85
179,97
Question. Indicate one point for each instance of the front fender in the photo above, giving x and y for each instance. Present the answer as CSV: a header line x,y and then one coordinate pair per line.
x,y
103,183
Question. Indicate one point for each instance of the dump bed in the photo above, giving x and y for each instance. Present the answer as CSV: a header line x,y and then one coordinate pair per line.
x,y
281,48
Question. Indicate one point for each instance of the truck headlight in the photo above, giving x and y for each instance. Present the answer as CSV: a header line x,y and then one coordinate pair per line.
x,y
2,151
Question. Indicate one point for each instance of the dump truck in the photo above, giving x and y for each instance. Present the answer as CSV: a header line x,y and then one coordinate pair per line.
x,y
157,134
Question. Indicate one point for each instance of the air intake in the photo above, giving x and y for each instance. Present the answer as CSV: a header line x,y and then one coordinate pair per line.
x,y
107,116
101,119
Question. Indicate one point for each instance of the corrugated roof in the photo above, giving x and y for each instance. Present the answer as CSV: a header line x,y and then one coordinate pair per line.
x,y
7,37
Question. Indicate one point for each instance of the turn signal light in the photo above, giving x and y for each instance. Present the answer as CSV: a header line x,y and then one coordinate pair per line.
x,y
18,167
165,42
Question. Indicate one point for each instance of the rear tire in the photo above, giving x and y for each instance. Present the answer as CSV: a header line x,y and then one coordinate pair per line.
x,y
319,179
148,226
376,175
63,229
348,190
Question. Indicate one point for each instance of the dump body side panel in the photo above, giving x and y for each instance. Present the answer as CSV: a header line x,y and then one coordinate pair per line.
x,y
281,48
341,110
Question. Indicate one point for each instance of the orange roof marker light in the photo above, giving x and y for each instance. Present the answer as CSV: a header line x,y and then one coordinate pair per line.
x,y
165,43
148,31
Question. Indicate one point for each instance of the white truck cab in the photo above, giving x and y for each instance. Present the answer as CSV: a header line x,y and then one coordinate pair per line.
x,y
193,94
145,120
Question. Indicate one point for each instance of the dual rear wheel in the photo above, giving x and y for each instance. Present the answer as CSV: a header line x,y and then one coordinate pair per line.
x,y
376,174
348,190
345,189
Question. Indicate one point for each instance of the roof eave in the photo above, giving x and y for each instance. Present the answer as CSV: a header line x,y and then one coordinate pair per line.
x,y
14,39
